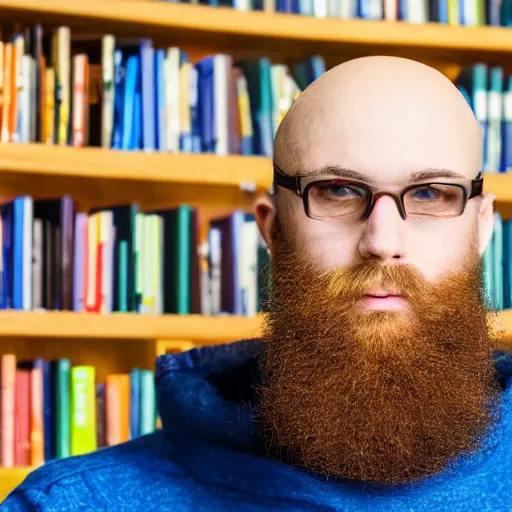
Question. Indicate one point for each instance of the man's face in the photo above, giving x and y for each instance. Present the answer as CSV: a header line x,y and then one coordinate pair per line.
x,y
387,155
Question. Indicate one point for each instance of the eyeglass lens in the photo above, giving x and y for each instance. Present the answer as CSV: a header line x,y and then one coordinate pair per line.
x,y
341,198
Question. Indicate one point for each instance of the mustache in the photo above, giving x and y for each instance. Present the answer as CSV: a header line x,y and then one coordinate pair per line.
x,y
355,281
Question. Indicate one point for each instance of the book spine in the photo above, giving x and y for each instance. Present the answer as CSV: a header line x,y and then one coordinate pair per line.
x,y
7,408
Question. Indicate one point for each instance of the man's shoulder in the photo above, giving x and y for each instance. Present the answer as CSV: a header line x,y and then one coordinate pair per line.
x,y
100,480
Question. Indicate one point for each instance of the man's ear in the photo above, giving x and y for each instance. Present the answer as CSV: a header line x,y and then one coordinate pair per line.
x,y
264,212
485,221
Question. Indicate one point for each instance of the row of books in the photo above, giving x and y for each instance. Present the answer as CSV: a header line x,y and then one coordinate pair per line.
x,y
454,12
488,90
51,409
126,94
497,265
126,260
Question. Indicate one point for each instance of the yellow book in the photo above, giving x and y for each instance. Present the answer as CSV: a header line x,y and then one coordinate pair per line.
x,y
83,410
453,12
49,106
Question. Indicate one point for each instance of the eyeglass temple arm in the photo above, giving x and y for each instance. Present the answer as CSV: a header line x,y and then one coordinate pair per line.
x,y
289,182
477,186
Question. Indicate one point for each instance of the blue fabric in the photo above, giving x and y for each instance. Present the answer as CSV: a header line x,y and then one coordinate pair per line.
x,y
207,457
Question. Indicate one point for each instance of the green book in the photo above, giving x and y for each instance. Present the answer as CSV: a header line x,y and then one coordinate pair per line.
x,y
62,440
83,410
147,405
453,12
497,275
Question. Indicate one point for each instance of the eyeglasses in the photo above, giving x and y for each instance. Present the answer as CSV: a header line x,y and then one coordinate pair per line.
x,y
334,198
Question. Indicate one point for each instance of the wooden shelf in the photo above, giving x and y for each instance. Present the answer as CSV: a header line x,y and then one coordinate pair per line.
x,y
289,35
127,326
104,176
11,478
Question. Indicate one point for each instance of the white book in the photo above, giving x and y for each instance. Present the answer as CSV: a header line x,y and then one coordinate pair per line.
x,y
108,44
28,219
417,11
470,12
158,232
92,238
347,9
390,10
215,253
106,227
249,276
220,102
320,8
172,99
147,269
27,70
37,265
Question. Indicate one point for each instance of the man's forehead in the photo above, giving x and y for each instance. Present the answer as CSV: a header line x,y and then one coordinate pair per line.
x,y
386,128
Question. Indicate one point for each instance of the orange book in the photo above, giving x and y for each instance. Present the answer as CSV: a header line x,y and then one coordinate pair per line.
x,y
36,417
7,401
80,79
7,91
117,408
22,427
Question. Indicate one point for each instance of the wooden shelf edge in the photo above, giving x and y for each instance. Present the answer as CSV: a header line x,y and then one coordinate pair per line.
x,y
97,163
202,330
154,17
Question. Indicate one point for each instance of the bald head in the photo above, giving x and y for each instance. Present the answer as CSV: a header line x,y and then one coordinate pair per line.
x,y
383,116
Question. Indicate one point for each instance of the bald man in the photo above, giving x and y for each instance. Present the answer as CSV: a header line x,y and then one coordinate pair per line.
x,y
376,386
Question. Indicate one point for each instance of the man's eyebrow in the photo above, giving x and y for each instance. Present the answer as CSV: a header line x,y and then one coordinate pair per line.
x,y
339,171
423,174
436,173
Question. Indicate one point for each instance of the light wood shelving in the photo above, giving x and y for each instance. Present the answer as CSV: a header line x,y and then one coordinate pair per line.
x,y
202,330
10,478
98,177
288,35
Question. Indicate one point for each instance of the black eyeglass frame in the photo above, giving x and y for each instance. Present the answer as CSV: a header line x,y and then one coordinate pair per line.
x,y
293,183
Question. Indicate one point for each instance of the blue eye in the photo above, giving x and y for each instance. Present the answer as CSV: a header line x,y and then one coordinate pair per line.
x,y
426,194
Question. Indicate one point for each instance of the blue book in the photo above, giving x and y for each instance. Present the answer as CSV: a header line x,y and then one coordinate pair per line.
x,y
506,126
493,12
135,399
507,264
18,253
195,114
148,94
48,417
497,240
462,14
7,211
161,136
136,141
506,13
119,75
132,71
402,9
205,69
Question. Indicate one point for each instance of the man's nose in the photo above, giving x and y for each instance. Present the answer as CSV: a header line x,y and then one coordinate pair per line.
x,y
383,234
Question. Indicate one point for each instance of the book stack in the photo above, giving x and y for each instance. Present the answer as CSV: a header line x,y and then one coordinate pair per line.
x,y
51,409
453,12
488,90
132,96
123,259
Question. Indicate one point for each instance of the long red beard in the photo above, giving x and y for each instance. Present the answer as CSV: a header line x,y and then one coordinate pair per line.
x,y
382,397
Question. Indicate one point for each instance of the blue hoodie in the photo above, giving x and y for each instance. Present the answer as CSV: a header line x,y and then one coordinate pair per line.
x,y
206,458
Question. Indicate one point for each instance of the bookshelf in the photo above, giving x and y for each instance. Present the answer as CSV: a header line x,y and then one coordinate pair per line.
x,y
97,177
10,478
290,35
198,329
